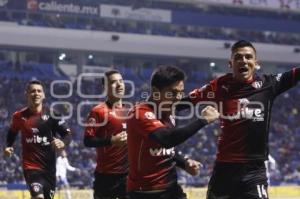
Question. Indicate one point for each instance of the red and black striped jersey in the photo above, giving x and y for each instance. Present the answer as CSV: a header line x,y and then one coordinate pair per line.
x,y
37,131
104,122
245,112
152,167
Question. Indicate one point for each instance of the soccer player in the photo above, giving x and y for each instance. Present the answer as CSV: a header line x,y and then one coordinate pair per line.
x,y
39,129
152,138
245,102
62,166
106,131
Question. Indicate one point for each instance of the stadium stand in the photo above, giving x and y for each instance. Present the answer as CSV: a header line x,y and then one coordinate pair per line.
x,y
15,72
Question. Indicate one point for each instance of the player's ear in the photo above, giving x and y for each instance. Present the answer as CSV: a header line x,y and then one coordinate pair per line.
x,y
44,95
230,63
257,65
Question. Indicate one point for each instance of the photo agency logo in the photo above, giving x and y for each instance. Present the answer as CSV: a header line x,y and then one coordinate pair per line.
x,y
88,93
79,96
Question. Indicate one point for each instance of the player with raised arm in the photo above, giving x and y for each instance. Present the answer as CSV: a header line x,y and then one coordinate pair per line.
x,y
152,137
245,102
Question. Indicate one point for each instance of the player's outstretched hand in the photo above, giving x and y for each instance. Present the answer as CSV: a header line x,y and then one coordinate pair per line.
x,y
192,167
119,139
57,144
8,151
210,114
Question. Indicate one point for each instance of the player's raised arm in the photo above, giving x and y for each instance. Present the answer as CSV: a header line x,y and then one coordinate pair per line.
x,y
170,137
286,80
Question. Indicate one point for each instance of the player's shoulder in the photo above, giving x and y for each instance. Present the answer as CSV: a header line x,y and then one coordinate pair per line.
x,y
219,82
142,107
19,113
100,108
270,77
142,110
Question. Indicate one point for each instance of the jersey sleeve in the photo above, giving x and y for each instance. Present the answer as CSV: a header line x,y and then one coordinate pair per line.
x,y
62,128
207,93
13,130
95,122
60,125
284,81
147,122
15,124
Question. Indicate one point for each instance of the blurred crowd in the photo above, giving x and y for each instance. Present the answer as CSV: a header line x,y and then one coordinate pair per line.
x,y
284,129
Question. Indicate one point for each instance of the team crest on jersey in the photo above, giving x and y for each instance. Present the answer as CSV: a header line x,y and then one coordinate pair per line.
x,y
278,77
149,115
36,187
257,84
35,130
45,117
92,121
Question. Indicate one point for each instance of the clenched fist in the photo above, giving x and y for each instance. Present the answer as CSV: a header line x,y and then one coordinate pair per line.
x,y
192,167
57,144
210,114
8,151
119,139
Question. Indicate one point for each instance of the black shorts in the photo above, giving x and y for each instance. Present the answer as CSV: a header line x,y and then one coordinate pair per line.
x,y
110,186
174,192
40,182
238,181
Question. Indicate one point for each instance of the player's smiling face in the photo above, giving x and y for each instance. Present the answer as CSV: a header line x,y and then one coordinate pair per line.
x,y
116,86
243,62
35,94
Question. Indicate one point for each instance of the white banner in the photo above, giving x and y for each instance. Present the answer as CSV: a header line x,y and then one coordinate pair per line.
x,y
140,14
292,5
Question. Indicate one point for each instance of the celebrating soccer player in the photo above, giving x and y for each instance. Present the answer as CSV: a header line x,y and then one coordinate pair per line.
x,y
106,131
152,138
245,101
39,129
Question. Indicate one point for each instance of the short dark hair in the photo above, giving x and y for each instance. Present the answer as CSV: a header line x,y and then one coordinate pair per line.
x,y
166,75
31,82
109,73
241,44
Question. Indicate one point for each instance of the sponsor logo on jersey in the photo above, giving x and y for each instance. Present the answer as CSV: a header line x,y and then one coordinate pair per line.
x,y
149,115
35,130
278,77
36,139
257,84
161,151
225,88
45,117
256,114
